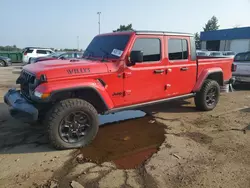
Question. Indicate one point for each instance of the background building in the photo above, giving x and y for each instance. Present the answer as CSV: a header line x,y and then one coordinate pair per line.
x,y
236,40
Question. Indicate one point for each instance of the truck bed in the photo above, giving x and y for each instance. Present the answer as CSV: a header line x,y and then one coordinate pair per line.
x,y
223,63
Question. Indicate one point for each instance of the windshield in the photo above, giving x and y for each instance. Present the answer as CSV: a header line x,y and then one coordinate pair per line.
x,y
56,54
109,46
240,57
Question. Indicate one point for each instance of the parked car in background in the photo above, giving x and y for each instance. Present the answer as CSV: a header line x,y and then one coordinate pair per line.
x,y
30,52
58,55
228,53
215,54
5,61
202,53
242,63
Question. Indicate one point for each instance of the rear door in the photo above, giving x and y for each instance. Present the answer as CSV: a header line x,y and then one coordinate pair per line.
x,y
181,70
144,81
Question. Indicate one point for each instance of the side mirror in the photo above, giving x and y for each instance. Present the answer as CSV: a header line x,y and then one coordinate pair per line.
x,y
136,57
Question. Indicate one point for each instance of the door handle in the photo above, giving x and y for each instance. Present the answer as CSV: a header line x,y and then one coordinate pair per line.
x,y
184,68
158,71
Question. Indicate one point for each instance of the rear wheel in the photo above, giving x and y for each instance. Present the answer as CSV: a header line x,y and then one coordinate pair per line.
x,y
72,123
207,98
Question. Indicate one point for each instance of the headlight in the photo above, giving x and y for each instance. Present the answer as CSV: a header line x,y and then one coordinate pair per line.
x,y
41,95
8,59
38,94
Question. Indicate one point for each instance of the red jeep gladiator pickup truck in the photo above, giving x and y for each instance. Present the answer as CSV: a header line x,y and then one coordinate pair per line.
x,y
118,71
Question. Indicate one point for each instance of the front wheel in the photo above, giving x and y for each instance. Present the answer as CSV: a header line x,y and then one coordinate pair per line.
x,y
72,123
2,63
207,98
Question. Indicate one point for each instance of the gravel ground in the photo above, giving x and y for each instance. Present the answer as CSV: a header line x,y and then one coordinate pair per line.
x,y
200,149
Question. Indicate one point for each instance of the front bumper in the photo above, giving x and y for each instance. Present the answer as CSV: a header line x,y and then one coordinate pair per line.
x,y
8,63
20,108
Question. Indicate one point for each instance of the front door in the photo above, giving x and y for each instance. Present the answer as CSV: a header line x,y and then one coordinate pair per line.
x,y
145,81
181,69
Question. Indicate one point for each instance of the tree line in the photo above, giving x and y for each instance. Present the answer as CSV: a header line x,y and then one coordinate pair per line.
x,y
211,25
9,48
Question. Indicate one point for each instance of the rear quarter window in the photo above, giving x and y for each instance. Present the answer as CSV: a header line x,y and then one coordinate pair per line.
x,y
28,51
41,52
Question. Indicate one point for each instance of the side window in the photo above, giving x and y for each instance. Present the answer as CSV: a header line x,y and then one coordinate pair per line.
x,y
41,52
68,55
65,56
151,48
78,55
71,55
48,52
177,49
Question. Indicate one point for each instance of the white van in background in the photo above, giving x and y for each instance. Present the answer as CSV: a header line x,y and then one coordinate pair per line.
x,y
29,53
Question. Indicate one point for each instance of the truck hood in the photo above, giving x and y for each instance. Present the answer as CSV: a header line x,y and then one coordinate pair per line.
x,y
65,69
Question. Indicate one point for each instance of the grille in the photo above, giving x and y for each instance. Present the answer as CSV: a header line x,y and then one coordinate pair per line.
x,y
27,77
25,80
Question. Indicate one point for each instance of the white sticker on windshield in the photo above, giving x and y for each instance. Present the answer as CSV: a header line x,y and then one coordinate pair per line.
x,y
117,52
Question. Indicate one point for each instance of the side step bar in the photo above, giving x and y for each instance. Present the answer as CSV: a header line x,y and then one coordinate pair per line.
x,y
134,106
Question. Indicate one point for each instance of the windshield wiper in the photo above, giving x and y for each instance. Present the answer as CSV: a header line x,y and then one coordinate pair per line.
x,y
106,54
90,53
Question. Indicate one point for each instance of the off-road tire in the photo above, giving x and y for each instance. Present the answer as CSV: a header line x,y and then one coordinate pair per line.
x,y
200,97
62,109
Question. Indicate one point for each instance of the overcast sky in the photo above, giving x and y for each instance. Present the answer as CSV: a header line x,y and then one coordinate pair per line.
x,y
57,23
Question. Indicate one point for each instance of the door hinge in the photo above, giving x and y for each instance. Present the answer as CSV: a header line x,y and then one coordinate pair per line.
x,y
127,92
127,74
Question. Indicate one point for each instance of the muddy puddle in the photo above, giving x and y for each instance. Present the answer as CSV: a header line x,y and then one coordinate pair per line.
x,y
121,116
127,138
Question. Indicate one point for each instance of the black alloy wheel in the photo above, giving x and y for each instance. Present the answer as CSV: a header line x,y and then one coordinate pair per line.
x,y
74,127
72,123
207,98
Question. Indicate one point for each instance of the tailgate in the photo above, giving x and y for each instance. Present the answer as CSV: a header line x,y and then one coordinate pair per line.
x,y
243,68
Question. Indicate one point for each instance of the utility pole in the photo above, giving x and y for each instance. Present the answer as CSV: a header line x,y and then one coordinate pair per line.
x,y
99,21
78,43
